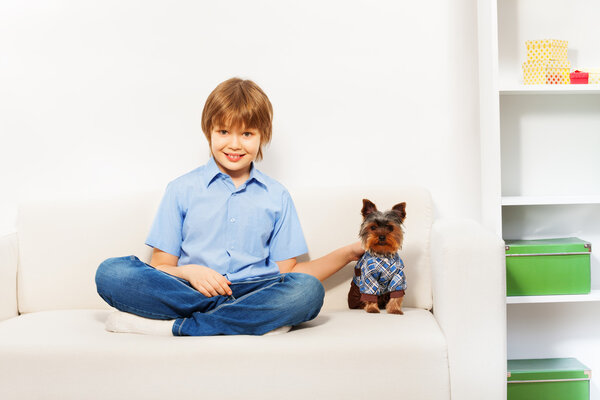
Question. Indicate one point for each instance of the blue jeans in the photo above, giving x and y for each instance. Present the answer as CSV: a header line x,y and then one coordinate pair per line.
x,y
254,308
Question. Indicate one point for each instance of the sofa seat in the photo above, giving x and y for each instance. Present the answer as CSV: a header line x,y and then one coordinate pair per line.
x,y
70,353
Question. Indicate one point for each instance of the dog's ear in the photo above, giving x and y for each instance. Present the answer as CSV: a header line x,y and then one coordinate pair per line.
x,y
368,208
400,209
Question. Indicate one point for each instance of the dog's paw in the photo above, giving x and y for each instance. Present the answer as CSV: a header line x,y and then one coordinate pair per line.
x,y
394,306
371,307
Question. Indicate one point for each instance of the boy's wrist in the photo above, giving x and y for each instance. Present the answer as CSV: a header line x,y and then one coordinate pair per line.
x,y
173,270
355,251
184,271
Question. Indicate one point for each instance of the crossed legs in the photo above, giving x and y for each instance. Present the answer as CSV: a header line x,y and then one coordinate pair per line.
x,y
254,308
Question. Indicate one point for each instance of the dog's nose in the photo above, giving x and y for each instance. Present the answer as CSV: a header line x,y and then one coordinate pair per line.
x,y
381,238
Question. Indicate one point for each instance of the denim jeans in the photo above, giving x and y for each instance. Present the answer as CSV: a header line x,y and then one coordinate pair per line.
x,y
254,308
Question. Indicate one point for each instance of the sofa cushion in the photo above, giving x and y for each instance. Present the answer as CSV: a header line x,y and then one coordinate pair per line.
x,y
64,242
61,244
68,355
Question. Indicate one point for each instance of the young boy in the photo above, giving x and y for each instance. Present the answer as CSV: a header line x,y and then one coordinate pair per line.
x,y
225,241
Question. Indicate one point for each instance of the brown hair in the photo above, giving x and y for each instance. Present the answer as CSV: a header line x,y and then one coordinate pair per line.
x,y
239,103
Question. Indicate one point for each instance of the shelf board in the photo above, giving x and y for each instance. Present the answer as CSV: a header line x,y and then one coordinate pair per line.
x,y
594,295
549,200
549,89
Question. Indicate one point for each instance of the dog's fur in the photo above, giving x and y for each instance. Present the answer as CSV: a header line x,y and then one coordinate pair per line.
x,y
382,235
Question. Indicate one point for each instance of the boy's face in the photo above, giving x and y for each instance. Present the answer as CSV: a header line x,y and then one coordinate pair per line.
x,y
234,149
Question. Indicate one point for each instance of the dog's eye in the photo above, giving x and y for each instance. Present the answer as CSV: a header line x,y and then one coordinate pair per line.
x,y
373,227
389,228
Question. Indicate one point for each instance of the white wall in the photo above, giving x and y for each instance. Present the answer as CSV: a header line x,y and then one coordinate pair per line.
x,y
105,97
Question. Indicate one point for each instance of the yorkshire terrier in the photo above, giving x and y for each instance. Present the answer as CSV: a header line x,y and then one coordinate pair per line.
x,y
379,280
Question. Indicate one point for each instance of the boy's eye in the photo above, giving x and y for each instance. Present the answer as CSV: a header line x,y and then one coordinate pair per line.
x,y
223,132
247,134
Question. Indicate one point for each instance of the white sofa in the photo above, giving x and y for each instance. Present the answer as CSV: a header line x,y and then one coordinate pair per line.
x,y
449,344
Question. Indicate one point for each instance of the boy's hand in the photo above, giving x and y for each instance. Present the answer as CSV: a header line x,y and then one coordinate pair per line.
x,y
205,280
356,251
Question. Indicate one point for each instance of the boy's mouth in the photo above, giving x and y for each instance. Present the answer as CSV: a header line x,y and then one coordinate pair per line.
x,y
234,157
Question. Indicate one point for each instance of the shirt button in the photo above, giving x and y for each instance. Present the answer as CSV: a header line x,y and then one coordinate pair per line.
x,y
232,220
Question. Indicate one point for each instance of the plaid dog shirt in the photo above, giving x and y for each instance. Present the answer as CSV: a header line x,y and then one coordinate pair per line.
x,y
379,275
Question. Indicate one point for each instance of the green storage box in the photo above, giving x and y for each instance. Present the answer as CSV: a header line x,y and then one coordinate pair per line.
x,y
545,267
548,379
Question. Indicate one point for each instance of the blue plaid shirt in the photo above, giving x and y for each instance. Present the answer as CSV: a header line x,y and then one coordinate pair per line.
x,y
380,275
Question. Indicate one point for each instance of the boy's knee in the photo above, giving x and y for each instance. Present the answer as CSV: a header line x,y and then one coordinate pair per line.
x,y
309,290
317,291
110,272
106,269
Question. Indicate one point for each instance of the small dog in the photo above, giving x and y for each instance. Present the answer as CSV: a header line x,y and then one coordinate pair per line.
x,y
379,274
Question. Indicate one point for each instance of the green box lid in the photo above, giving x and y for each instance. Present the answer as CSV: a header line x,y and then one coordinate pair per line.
x,y
547,246
544,369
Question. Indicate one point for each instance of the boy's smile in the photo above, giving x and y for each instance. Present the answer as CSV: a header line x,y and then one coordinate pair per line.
x,y
234,157
234,149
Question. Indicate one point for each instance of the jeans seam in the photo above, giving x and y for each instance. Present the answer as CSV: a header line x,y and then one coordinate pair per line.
x,y
177,279
180,326
242,298
142,311
257,280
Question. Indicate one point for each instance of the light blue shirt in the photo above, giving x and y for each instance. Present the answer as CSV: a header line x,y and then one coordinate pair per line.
x,y
203,219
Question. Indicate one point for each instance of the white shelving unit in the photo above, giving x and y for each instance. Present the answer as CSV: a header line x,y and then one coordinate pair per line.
x,y
540,148
549,89
548,200
575,298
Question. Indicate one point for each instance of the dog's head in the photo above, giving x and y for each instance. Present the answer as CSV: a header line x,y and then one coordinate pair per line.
x,y
381,232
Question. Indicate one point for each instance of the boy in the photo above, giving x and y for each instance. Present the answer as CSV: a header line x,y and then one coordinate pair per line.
x,y
225,241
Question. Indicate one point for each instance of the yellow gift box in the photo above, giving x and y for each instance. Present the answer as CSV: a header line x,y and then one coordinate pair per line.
x,y
594,78
552,72
547,49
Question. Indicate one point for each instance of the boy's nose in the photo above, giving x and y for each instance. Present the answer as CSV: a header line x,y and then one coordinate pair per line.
x,y
235,142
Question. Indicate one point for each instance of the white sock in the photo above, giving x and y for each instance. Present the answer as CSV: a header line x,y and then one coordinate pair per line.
x,y
129,323
279,331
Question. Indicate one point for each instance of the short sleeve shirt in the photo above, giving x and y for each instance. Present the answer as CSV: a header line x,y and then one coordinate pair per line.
x,y
239,232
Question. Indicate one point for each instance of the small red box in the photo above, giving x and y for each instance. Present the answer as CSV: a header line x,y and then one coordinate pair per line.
x,y
579,77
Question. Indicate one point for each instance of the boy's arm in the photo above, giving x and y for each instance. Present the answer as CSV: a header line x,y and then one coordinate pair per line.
x,y
205,280
322,268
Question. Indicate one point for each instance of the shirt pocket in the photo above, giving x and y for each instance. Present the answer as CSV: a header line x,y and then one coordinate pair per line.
x,y
255,231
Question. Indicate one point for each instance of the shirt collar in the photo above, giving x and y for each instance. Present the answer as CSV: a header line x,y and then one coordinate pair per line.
x,y
391,260
257,176
212,172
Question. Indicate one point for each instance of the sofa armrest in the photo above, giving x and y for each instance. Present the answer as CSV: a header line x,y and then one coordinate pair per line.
x,y
469,303
8,276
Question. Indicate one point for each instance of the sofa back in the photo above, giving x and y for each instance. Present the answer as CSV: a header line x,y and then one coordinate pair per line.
x,y
61,243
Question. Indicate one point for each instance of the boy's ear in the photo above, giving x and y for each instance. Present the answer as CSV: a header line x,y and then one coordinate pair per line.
x,y
400,209
368,208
